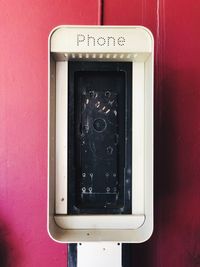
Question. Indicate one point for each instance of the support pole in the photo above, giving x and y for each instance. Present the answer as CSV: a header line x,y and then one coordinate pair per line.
x,y
99,254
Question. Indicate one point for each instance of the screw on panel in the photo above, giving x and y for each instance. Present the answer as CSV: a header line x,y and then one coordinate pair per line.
x,y
83,189
107,94
90,189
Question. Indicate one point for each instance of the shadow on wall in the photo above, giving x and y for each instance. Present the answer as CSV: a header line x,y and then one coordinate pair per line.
x,y
165,179
175,163
8,253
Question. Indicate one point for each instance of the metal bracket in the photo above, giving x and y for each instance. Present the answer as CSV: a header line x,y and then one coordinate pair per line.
x,y
99,254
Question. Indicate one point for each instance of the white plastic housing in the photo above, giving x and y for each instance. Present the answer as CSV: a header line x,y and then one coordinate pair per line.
x,y
101,43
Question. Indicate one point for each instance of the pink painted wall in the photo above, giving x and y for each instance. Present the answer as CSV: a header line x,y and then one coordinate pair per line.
x,y
176,28
24,29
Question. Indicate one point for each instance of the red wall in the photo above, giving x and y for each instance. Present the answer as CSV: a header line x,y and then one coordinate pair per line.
x,y
176,28
24,29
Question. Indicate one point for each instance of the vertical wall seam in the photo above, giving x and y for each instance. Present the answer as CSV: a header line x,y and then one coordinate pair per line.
x,y
100,12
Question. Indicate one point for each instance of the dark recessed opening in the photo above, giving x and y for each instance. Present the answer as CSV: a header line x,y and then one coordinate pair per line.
x,y
99,137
